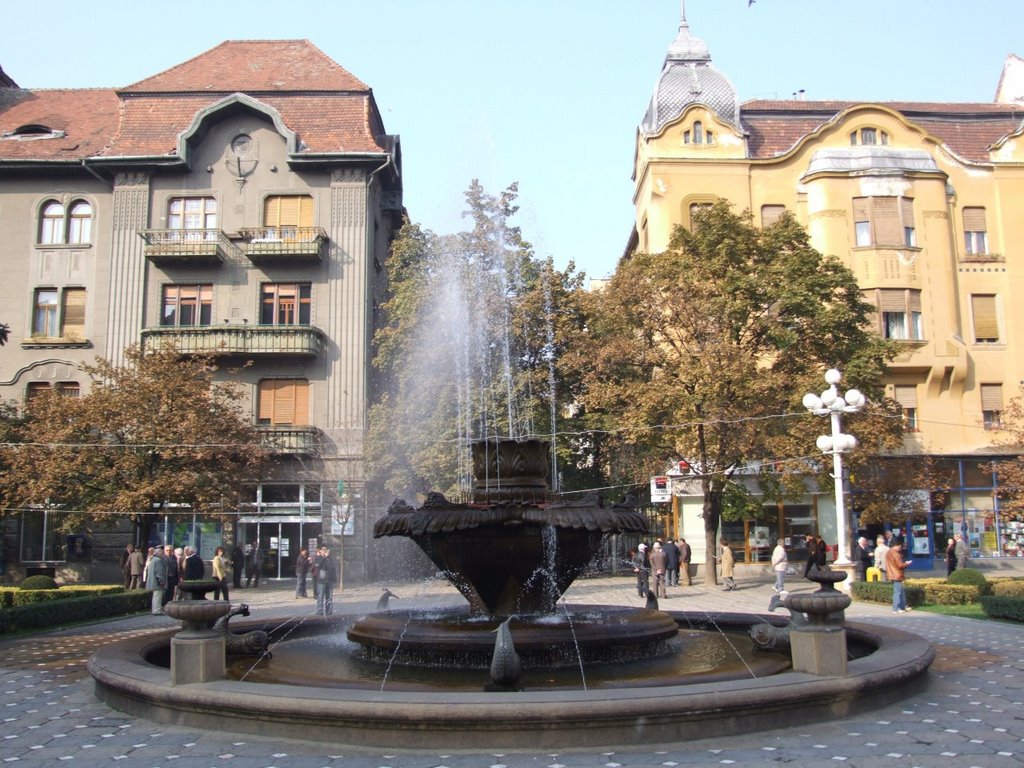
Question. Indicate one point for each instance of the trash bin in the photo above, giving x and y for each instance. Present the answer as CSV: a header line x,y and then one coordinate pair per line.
x,y
872,574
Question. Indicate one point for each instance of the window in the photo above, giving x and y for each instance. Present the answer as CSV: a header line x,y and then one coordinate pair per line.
x,y
285,304
187,305
696,209
42,539
869,137
986,320
64,388
59,314
192,217
906,396
283,402
697,135
886,221
287,214
771,213
975,231
60,225
992,405
900,313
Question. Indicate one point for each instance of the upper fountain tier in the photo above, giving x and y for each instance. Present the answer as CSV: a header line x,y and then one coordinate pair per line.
x,y
510,551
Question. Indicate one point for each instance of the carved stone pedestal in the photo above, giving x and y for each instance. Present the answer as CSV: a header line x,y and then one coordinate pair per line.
x,y
818,650
197,659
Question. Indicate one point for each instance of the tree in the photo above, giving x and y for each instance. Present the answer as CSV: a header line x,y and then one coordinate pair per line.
x,y
1010,470
476,325
705,351
154,431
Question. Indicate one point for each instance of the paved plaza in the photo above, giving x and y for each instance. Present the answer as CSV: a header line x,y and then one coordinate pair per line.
x,y
970,714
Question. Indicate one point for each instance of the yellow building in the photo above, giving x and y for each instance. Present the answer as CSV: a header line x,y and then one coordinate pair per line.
x,y
920,200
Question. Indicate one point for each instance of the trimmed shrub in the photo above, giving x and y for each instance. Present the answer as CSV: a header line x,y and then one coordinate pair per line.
x,y
38,582
969,576
31,597
939,592
55,613
1007,608
881,592
1008,588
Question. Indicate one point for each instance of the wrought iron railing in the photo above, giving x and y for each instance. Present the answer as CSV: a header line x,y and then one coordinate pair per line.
x,y
198,246
274,243
300,340
294,441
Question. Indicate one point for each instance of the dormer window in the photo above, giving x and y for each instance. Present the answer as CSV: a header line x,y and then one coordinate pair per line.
x,y
869,137
33,131
697,135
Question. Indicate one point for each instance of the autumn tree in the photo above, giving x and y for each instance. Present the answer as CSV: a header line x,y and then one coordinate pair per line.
x,y
154,431
1010,466
475,326
704,351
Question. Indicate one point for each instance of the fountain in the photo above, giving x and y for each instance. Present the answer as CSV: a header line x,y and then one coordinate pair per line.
x,y
512,553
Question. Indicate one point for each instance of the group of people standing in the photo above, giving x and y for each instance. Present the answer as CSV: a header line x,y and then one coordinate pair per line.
x,y
324,571
159,571
666,560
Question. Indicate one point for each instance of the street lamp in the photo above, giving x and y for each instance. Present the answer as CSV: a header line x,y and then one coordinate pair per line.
x,y
831,403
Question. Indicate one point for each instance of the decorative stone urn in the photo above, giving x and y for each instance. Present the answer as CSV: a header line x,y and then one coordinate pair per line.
x,y
817,637
197,651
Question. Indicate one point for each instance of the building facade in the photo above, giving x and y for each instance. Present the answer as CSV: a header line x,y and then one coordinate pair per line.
x,y
242,202
921,201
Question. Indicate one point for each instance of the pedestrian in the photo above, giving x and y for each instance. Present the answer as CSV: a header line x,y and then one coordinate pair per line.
x,y
642,570
326,574
302,564
862,558
156,580
179,558
221,569
253,564
963,552
237,566
950,556
812,554
881,553
195,570
895,565
728,566
780,562
136,567
685,554
172,574
126,571
658,561
671,563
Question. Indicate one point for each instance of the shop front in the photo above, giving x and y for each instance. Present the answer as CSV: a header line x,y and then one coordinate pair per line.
x,y
283,518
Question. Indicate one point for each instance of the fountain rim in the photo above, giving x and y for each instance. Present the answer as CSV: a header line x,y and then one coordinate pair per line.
x,y
528,719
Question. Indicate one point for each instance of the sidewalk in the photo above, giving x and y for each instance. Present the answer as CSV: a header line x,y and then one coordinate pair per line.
x,y
971,714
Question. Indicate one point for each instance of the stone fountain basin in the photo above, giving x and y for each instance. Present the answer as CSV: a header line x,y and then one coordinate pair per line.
x,y
524,720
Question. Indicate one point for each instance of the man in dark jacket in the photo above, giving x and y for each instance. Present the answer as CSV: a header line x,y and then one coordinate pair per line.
x,y
194,567
326,575
172,573
685,554
671,563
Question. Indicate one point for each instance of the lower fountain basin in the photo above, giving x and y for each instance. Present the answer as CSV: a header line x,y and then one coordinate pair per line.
x,y
532,719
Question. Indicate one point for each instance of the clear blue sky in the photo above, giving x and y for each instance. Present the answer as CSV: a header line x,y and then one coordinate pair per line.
x,y
544,92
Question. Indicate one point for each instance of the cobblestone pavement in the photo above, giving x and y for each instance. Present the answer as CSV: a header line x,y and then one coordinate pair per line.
x,y
970,714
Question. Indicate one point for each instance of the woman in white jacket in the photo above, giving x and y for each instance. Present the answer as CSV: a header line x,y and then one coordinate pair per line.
x,y
780,562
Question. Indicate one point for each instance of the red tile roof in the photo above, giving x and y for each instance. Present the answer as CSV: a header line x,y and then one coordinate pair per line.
x,y
774,127
330,110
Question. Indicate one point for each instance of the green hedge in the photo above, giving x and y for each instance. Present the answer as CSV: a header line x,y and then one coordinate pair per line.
x,y
940,592
10,596
881,592
999,607
55,613
1008,587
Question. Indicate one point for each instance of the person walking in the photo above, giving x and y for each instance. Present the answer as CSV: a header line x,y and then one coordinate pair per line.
x,y
685,554
156,580
253,564
302,565
642,569
221,569
950,556
963,552
728,566
326,575
812,554
237,566
895,565
671,563
881,555
658,565
780,562
136,567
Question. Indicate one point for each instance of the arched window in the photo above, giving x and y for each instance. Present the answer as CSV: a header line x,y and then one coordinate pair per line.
x,y
698,132
60,225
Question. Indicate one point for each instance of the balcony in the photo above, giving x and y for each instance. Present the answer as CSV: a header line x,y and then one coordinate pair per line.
x,y
186,247
292,441
242,340
284,245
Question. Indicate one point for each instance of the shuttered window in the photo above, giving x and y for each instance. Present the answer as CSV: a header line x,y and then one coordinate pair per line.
x,y
886,221
771,213
992,405
899,313
986,321
975,231
283,402
906,396
288,211
73,314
